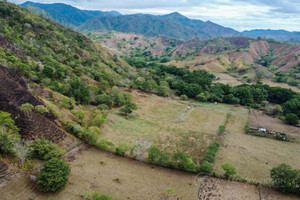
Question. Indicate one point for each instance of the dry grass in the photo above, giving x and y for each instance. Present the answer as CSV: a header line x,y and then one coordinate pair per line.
x,y
283,85
165,123
260,120
254,156
96,171
219,189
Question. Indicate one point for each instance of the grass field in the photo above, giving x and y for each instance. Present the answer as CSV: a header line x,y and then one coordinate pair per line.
x,y
254,156
168,124
97,171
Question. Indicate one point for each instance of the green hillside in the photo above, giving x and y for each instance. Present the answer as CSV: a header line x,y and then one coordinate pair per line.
x,y
56,57
68,15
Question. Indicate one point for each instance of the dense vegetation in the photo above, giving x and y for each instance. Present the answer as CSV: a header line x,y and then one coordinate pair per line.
x,y
198,85
56,57
68,15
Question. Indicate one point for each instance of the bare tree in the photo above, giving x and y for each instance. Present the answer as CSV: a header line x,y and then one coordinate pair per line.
x,y
22,149
140,148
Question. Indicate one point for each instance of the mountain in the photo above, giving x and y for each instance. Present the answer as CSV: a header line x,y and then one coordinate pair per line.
x,y
173,25
281,35
69,15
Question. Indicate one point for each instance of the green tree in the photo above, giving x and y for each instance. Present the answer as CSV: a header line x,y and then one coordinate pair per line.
x,y
206,167
7,123
229,170
153,154
291,118
149,85
128,109
163,91
284,178
54,175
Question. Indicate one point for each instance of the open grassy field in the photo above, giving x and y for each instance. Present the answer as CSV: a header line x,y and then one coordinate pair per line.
x,y
254,156
167,124
97,171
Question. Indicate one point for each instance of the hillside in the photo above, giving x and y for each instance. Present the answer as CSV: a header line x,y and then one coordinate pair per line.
x,y
134,45
50,56
173,25
68,15
281,35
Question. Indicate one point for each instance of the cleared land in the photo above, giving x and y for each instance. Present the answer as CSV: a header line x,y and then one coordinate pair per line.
x,y
97,171
167,124
260,120
254,156
136,180
219,189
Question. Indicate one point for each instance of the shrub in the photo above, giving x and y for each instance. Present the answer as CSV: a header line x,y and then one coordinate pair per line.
x,y
221,129
44,149
41,109
153,154
54,176
163,91
183,97
122,149
206,167
291,118
229,170
105,144
211,152
128,109
97,196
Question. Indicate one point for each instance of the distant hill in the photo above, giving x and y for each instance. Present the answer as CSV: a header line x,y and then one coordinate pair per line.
x,y
281,35
69,15
173,25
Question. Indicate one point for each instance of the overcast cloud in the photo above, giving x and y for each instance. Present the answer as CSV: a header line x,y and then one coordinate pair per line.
x,y
238,14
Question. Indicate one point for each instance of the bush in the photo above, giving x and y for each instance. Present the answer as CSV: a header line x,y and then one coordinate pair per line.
x,y
41,109
221,129
183,97
163,91
122,149
54,176
97,196
105,144
229,170
206,167
291,118
44,149
153,154
284,178
211,152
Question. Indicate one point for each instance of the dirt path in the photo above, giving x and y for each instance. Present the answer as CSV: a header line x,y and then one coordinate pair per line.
x,y
180,118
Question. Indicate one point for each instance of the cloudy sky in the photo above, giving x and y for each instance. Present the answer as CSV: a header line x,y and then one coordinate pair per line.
x,y
238,14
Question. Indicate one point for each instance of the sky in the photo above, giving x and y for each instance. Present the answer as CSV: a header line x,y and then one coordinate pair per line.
x,y
238,14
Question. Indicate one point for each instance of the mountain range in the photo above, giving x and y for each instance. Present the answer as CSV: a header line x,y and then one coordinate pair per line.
x,y
69,15
172,25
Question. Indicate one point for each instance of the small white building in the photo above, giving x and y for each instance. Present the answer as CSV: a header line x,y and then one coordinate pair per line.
x,y
262,130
